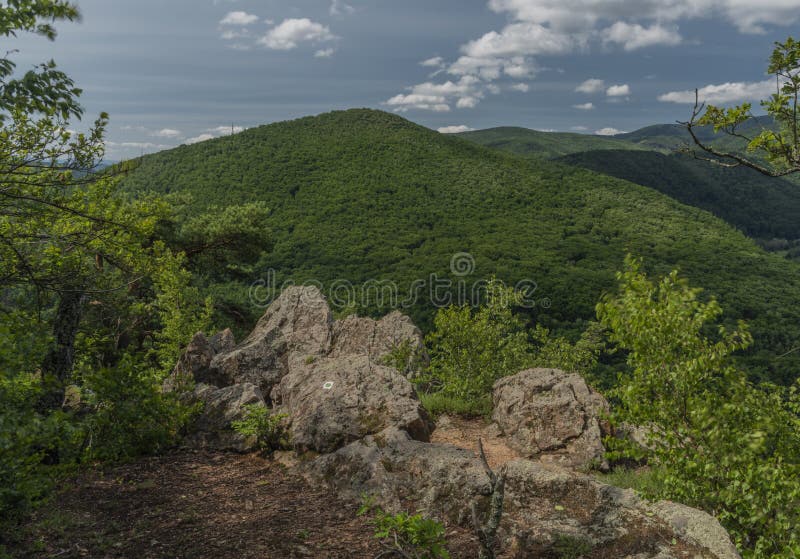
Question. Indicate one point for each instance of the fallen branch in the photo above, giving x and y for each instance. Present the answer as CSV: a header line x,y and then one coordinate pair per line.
x,y
487,530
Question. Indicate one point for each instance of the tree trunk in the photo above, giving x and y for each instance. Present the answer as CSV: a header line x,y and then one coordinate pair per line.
x,y
58,363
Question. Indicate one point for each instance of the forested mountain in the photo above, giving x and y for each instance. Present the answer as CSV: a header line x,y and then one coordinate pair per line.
x,y
548,145
362,194
760,206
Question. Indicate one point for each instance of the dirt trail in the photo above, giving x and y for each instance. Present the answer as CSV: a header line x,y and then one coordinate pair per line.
x,y
193,505
464,433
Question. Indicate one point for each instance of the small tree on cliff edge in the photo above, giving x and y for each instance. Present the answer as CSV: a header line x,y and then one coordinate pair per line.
x,y
773,151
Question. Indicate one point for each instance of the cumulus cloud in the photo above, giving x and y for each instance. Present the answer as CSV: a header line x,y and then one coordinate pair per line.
x,y
635,36
340,8
167,133
238,18
608,132
618,90
324,53
584,106
539,28
291,32
200,138
578,15
455,129
435,62
579,128
521,87
465,93
731,92
592,85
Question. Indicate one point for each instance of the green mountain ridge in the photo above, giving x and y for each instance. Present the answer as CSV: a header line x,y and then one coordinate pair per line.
x,y
760,206
364,195
548,145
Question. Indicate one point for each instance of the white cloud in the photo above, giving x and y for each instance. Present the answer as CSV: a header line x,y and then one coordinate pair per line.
x,y
618,90
465,93
291,32
635,36
324,53
522,87
748,16
167,133
435,62
225,130
608,132
341,8
584,107
200,138
238,18
557,27
579,128
731,92
454,129
592,85
232,34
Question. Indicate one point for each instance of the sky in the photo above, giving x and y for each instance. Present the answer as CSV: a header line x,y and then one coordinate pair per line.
x,y
171,72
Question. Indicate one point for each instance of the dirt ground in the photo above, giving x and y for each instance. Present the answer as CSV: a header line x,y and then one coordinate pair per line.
x,y
203,505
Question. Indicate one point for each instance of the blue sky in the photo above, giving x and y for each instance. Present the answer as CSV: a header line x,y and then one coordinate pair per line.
x,y
178,71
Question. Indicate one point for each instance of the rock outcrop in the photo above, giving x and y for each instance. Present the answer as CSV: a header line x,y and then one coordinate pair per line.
x,y
331,378
346,403
544,504
333,401
552,416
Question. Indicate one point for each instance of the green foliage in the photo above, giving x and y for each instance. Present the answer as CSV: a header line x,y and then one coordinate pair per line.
x,y
415,536
778,146
716,441
760,206
268,429
544,145
406,358
470,350
566,546
129,414
440,403
359,195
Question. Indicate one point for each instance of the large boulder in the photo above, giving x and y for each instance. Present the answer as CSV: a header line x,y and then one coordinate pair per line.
x,y
221,407
295,326
394,339
545,505
333,401
553,416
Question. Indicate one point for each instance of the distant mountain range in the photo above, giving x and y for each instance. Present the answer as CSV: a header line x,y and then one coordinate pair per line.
x,y
365,195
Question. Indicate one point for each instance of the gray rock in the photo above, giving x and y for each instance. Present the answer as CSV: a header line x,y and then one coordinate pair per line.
x,y
333,401
296,325
222,406
543,502
223,342
553,416
194,366
697,527
378,339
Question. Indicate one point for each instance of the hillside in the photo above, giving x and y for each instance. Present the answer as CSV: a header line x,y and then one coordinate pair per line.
x,y
364,195
760,206
547,145
668,137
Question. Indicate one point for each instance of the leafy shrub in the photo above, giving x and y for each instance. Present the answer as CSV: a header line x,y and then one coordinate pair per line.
x,y
128,414
405,358
716,442
269,429
470,350
411,535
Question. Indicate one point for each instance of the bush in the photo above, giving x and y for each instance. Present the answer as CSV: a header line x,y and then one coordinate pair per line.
x,y
470,350
717,442
269,429
128,414
411,535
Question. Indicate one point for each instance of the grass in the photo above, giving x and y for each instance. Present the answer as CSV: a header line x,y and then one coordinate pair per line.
x,y
439,403
641,480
